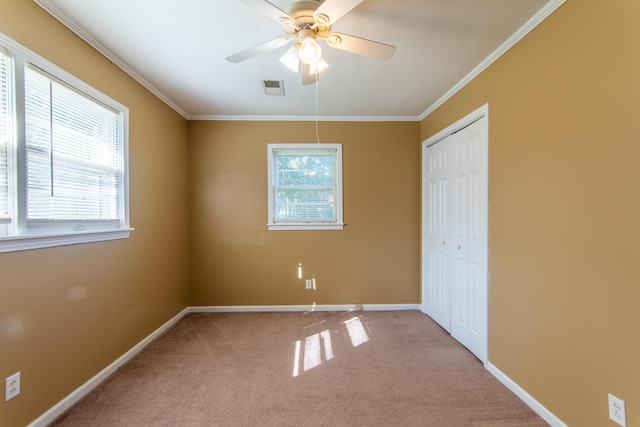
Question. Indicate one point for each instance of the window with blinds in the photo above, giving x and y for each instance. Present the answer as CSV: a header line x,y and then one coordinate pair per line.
x,y
305,186
63,156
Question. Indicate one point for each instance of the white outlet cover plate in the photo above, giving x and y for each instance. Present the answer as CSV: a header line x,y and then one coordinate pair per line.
x,y
617,410
12,386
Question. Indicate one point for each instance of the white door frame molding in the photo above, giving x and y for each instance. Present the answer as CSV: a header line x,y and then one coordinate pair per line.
x,y
453,128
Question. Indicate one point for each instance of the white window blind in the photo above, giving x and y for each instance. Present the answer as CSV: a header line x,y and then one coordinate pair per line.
x,y
73,154
5,138
306,185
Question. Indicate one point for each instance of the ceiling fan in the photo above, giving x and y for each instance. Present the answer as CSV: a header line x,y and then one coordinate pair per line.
x,y
304,22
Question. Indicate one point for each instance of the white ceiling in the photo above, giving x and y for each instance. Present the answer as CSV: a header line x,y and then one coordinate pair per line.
x,y
177,49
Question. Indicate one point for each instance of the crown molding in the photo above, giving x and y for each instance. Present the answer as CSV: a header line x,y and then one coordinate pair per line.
x,y
64,20
532,23
307,118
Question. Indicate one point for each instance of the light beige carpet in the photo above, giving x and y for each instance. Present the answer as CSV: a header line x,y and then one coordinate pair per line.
x,y
303,369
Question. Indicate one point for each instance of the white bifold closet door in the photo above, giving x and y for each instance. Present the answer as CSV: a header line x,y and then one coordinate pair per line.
x,y
455,270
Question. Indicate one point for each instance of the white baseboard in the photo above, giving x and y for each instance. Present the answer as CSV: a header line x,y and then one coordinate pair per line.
x,y
66,403
544,413
391,307
302,308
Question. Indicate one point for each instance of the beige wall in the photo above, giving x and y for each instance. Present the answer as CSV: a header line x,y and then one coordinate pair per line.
x,y
564,208
234,260
131,286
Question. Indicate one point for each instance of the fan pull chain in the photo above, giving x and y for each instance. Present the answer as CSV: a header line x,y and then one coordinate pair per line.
x,y
317,84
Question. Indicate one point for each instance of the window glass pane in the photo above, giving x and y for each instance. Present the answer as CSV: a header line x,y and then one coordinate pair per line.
x,y
305,169
301,204
73,149
5,138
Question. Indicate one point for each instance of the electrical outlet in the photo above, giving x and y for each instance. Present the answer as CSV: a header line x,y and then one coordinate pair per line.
x,y
617,410
308,283
12,386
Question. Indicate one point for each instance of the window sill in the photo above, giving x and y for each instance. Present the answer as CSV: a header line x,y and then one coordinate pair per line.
x,y
302,226
28,242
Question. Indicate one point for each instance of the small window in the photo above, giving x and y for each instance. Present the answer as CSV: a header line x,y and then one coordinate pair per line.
x,y
63,157
305,186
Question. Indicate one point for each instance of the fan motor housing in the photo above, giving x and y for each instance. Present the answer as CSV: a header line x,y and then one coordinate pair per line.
x,y
302,11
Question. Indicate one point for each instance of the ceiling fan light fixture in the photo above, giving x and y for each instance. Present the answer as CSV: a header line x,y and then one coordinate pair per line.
x,y
318,66
310,52
291,58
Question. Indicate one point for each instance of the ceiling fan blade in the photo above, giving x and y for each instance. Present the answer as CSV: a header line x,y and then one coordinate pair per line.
x,y
257,50
270,10
334,10
307,77
361,46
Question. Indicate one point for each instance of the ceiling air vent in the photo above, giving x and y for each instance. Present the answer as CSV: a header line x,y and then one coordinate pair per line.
x,y
273,87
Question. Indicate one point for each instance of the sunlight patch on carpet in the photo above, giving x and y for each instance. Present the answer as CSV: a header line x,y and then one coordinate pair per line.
x,y
312,357
356,332
311,353
308,353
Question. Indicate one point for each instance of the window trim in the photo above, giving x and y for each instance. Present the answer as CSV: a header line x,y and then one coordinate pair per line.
x,y
44,239
29,241
338,224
